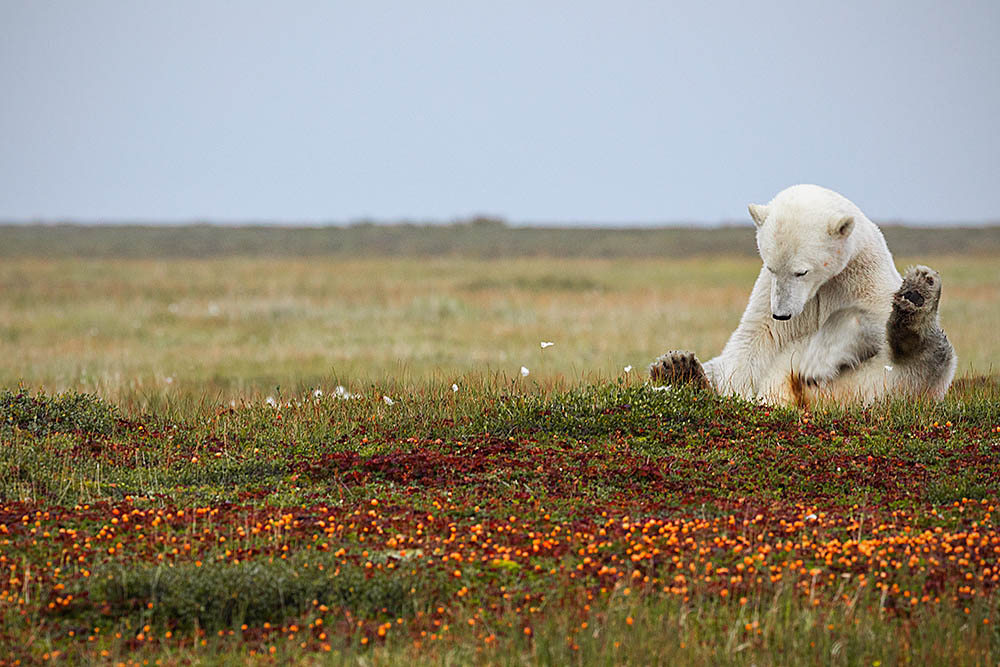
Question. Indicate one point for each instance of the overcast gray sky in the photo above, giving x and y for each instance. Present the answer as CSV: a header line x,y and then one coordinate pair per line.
x,y
534,111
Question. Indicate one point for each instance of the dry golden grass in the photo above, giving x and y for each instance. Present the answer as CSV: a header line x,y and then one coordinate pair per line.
x,y
220,327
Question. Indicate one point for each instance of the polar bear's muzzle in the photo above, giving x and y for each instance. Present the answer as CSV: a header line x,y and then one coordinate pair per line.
x,y
788,296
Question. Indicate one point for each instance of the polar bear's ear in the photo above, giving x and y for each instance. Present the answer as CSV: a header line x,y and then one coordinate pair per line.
x,y
841,228
759,213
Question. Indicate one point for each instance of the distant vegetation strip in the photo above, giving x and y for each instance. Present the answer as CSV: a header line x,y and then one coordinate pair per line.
x,y
479,238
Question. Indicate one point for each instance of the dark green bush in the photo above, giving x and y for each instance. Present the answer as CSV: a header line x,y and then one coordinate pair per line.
x,y
220,595
42,414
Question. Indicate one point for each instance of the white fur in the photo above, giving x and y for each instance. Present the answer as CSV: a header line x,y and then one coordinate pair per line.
x,y
821,254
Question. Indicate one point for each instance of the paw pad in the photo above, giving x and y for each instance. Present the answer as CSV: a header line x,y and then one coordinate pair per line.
x,y
919,289
914,297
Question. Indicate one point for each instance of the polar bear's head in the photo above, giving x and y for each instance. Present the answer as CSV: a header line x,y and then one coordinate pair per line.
x,y
805,235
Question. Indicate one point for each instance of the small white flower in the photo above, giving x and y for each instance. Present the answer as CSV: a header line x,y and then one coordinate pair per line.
x,y
169,379
546,344
628,369
454,387
524,371
341,392
661,387
318,393
888,368
387,400
270,401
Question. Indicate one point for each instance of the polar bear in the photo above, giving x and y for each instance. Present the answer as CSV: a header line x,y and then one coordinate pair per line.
x,y
829,316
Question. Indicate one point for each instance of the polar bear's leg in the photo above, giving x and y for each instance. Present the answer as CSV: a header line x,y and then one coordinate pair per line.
x,y
916,339
846,339
678,367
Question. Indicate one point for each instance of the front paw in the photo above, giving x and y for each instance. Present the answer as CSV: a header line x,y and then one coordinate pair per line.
x,y
815,374
678,367
818,368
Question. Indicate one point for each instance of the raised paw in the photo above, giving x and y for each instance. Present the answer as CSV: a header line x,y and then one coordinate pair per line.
x,y
920,291
678,367
914,318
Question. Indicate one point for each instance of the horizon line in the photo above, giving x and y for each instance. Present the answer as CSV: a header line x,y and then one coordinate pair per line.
x,y
467,221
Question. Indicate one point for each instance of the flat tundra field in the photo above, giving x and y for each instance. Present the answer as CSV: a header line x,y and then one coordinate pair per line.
x,y
244,312
273,446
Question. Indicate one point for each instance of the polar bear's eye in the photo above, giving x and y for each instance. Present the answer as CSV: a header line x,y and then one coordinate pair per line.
x,y
799,274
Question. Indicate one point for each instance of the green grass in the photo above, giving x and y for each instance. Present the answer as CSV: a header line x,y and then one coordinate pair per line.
x,y
180,480
512,505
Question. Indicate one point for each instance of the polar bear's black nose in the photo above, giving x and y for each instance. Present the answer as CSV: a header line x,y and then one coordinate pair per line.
x,y
781,317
